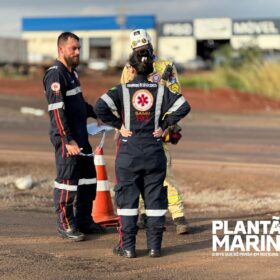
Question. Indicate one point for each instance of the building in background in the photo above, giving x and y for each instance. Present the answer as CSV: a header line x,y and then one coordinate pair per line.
x,y
264,33
190,44
13,51
104,39
176,41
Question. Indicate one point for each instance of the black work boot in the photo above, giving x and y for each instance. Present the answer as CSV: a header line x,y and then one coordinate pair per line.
x,y
118,251
154,253
181,225
91,228
72,234
142,221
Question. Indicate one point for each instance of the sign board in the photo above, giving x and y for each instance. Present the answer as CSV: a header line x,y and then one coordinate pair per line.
x,y
212,28
256,27
176,29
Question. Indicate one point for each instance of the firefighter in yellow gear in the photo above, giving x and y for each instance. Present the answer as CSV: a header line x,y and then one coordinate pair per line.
x,y
165,73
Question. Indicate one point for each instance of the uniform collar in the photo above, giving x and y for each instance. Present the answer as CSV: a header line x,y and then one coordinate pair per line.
x,y
59,63
140,78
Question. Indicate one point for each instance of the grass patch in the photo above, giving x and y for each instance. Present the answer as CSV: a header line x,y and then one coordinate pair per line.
x,y
255,77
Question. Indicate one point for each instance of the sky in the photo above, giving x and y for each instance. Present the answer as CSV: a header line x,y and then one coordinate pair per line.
x,y
12,11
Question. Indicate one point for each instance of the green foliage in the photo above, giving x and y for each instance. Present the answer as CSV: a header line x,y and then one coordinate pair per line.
x,y
227,57
197,82
243,70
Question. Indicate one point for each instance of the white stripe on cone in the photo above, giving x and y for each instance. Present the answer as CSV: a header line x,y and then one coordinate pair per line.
x,y
102,185
99,160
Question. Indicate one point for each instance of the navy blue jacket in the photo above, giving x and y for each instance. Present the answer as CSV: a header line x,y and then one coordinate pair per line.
x,y
67,108
142,106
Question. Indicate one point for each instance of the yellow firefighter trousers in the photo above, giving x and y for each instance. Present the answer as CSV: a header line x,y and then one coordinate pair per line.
x,y
175,202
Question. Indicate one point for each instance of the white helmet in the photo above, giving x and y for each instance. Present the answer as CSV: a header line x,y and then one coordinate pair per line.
x,y
139,38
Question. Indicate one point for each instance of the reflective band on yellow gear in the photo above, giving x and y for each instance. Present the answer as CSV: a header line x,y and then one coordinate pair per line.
x,y
174,198
174,87
166,138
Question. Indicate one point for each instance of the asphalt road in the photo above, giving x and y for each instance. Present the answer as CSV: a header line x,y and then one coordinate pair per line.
x,y
247,138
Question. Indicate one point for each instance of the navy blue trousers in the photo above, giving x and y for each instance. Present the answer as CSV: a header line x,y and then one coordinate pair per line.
x,y
141,168
75,188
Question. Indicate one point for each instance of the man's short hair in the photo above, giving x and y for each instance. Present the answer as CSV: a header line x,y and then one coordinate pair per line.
x,y
63,37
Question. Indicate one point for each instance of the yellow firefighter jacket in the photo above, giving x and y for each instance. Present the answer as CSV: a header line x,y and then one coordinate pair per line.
x,y
172,81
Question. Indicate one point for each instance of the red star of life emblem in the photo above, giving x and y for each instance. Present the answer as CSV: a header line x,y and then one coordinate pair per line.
x,y
142,100
55,87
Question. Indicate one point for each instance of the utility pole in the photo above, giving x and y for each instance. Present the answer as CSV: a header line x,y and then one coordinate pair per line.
x,y
121,20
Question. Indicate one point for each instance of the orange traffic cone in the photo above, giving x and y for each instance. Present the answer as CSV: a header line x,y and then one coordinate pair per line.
x,y
103,211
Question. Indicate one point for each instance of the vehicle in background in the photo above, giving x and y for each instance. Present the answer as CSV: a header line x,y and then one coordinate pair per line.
x,y
197,64
13,50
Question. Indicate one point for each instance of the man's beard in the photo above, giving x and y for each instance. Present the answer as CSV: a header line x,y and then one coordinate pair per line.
x,y
72,62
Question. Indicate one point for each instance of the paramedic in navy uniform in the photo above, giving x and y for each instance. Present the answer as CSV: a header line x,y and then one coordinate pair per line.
x,y
75,183
141,110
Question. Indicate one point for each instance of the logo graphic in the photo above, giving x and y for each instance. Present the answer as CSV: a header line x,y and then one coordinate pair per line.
x,y
55,87
246,238
156,78
142,100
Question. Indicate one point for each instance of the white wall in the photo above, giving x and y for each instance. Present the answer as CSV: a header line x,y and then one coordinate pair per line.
x,y
42,45
212,28
262,41
178,49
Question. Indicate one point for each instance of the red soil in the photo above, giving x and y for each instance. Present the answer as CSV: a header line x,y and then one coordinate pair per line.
x,y
222,100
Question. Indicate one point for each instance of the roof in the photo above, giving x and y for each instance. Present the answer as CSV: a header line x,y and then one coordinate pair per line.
x,y
87,23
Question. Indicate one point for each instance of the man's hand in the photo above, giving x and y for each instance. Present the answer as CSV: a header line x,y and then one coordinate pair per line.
x,y
72,148
125,132
158,132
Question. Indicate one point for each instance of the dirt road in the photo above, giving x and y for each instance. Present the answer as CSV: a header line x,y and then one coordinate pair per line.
x,y
227,165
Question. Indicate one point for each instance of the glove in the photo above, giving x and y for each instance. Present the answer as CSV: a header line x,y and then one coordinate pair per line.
x,y
173,136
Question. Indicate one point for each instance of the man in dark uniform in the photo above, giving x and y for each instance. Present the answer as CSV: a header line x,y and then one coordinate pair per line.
x,y
145,110
75,184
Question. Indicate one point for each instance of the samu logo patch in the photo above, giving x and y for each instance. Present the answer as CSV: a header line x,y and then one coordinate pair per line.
x,y
142,100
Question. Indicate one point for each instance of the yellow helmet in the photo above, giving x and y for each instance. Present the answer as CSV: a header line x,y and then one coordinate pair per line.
x,y
139,38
